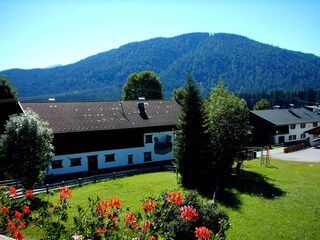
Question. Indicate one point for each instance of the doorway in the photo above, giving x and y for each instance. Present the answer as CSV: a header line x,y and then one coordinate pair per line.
x,y
93,164
281,139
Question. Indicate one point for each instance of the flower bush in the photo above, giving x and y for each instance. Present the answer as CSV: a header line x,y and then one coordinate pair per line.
x,y
171,216
14,213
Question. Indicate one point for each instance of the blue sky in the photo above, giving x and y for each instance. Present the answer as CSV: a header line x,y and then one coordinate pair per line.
x,y
41,33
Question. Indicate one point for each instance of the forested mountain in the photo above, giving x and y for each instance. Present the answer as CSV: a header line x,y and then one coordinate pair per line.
x,y
246,66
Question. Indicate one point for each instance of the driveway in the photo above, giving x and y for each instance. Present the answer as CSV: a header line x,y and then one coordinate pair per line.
x,y
311,154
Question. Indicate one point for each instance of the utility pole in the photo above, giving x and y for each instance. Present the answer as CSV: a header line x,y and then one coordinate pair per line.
x,y
120,90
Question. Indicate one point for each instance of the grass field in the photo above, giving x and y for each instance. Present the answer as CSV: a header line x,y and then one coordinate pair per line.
x,y
277,202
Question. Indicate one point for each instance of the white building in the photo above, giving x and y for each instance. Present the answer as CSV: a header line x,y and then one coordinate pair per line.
x,y
283,126
97,137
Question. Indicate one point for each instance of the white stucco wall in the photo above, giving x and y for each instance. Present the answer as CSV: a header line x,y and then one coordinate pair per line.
x,y
297,131
121,156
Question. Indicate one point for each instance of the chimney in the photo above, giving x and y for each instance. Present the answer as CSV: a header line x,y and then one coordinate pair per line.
x,y
141,103
141,106
291,107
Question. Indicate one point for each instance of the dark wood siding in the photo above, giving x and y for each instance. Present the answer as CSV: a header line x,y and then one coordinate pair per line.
x,y
77,142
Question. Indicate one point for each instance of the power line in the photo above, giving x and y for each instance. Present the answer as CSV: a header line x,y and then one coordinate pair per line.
x,y
8,100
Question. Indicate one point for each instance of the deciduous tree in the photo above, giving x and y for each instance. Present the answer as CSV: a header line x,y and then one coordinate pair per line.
x,y
7,91
263,104
26,148
228,118
143,84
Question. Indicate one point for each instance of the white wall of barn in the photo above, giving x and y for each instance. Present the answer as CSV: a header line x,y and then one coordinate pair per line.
x,y
120,155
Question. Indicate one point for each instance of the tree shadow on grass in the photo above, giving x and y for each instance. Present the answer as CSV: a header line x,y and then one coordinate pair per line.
x,y
247,183
38,203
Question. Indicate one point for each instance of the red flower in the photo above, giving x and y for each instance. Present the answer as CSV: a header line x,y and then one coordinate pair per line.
x,y
114,202
115,220
188,213
146,225
18,215
130,218
22,225
13,191
203,233
65,192
4,210
11,225
26,209
101,208
148,205
53,207
101,230
151,237
17,235
174,197
28,193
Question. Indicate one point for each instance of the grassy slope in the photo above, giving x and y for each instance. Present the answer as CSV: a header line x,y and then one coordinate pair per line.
x,y
278,202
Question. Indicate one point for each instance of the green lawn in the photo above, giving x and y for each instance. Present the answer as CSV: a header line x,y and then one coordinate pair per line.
x,y
277,202
282,204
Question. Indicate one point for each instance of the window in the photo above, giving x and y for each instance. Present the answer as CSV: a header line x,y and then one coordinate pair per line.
x,y
292,126
110,158
75,162
302,125
148,138
56,164
292,137
315,124
303,136
147,156
130,159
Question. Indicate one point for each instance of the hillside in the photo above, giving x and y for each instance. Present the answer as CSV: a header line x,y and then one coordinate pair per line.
x,y
246,66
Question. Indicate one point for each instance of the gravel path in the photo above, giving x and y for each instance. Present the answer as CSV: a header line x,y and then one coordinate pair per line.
x,y
307,155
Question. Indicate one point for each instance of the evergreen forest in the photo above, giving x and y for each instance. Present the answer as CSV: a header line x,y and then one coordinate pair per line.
x,y
247,66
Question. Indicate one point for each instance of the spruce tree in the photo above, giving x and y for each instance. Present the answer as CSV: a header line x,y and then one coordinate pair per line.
x,y
191,142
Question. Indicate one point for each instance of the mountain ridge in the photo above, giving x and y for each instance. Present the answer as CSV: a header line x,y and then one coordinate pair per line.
x,y
245,64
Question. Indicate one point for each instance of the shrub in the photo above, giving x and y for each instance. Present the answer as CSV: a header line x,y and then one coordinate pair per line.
x,y
171,216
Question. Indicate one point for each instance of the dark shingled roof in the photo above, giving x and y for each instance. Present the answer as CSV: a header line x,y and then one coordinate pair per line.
x,y
286,116
94,116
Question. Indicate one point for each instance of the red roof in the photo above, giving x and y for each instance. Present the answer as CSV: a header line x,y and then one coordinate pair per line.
x,y
108,115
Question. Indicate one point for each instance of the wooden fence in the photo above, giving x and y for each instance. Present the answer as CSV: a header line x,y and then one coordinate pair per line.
x,y
296,147
83,181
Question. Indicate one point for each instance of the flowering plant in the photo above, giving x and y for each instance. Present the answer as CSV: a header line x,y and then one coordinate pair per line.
x,y
179,216
106,220
52,218
171,216
14,213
